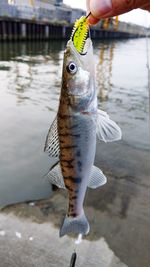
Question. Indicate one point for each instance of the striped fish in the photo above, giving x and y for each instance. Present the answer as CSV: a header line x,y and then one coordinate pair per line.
x,y
72,136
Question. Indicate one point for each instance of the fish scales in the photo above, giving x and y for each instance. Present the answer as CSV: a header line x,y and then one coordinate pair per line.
x,y
79,128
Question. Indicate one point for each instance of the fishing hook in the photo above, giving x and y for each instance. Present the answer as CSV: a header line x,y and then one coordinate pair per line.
x,y
88,15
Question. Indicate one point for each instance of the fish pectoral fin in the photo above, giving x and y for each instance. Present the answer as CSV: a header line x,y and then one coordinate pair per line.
x,y
97,178
107,130
55,176
77,225
52,140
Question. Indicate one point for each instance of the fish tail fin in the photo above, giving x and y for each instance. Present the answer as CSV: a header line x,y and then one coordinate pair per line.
x,y
77,225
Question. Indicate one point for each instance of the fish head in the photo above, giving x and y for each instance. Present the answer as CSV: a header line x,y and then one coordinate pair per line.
x,y
78,70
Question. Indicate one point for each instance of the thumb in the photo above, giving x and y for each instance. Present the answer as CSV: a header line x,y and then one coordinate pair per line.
x,y
109,8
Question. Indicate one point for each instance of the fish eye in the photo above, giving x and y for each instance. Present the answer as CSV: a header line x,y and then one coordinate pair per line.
x,y
72,68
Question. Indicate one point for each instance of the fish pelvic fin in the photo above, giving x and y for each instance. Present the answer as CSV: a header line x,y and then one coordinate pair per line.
x,y
76,225
96,179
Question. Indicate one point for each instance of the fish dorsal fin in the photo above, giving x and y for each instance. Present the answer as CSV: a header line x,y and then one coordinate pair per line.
x,y
107,130
52,141
97,178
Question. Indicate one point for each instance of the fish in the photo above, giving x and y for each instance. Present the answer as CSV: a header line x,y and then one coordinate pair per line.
x,y
73,134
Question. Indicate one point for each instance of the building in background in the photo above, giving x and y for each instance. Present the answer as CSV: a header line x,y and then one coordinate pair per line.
x,y
43,10
58,2
34,3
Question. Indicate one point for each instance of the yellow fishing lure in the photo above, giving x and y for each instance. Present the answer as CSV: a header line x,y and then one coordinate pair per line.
x,y
79,33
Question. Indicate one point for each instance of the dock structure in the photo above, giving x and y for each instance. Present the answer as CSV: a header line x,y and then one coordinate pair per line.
x,y
51,19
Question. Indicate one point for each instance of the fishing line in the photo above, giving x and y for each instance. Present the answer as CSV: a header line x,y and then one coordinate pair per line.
x,y
88,15
78,240
148,60
74,254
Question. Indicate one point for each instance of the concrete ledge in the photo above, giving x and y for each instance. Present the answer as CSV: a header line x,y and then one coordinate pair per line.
x,y
24,243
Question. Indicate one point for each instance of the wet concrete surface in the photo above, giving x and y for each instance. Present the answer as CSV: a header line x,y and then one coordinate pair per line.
x,y
28,244
119,212
124,202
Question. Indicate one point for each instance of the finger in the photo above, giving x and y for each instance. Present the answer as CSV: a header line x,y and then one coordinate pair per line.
x,y
88,6
100,7
109,8
146,7
93,20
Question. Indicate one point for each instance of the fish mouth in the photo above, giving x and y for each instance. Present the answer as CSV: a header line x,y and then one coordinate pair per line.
x,y
83,61
85,58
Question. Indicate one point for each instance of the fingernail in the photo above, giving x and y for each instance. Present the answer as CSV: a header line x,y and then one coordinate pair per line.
x,y
92,20
100,7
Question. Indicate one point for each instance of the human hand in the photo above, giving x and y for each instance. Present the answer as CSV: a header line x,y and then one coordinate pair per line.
x,y
109,8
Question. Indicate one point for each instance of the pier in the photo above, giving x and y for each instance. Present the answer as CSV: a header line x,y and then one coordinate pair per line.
x,y
44,20
11,29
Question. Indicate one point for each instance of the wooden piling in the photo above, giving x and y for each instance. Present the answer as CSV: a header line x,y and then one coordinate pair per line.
x,y
23,31
4,30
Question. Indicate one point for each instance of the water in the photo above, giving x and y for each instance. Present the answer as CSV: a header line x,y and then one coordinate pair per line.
x,y
30,75
30,82
124,81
